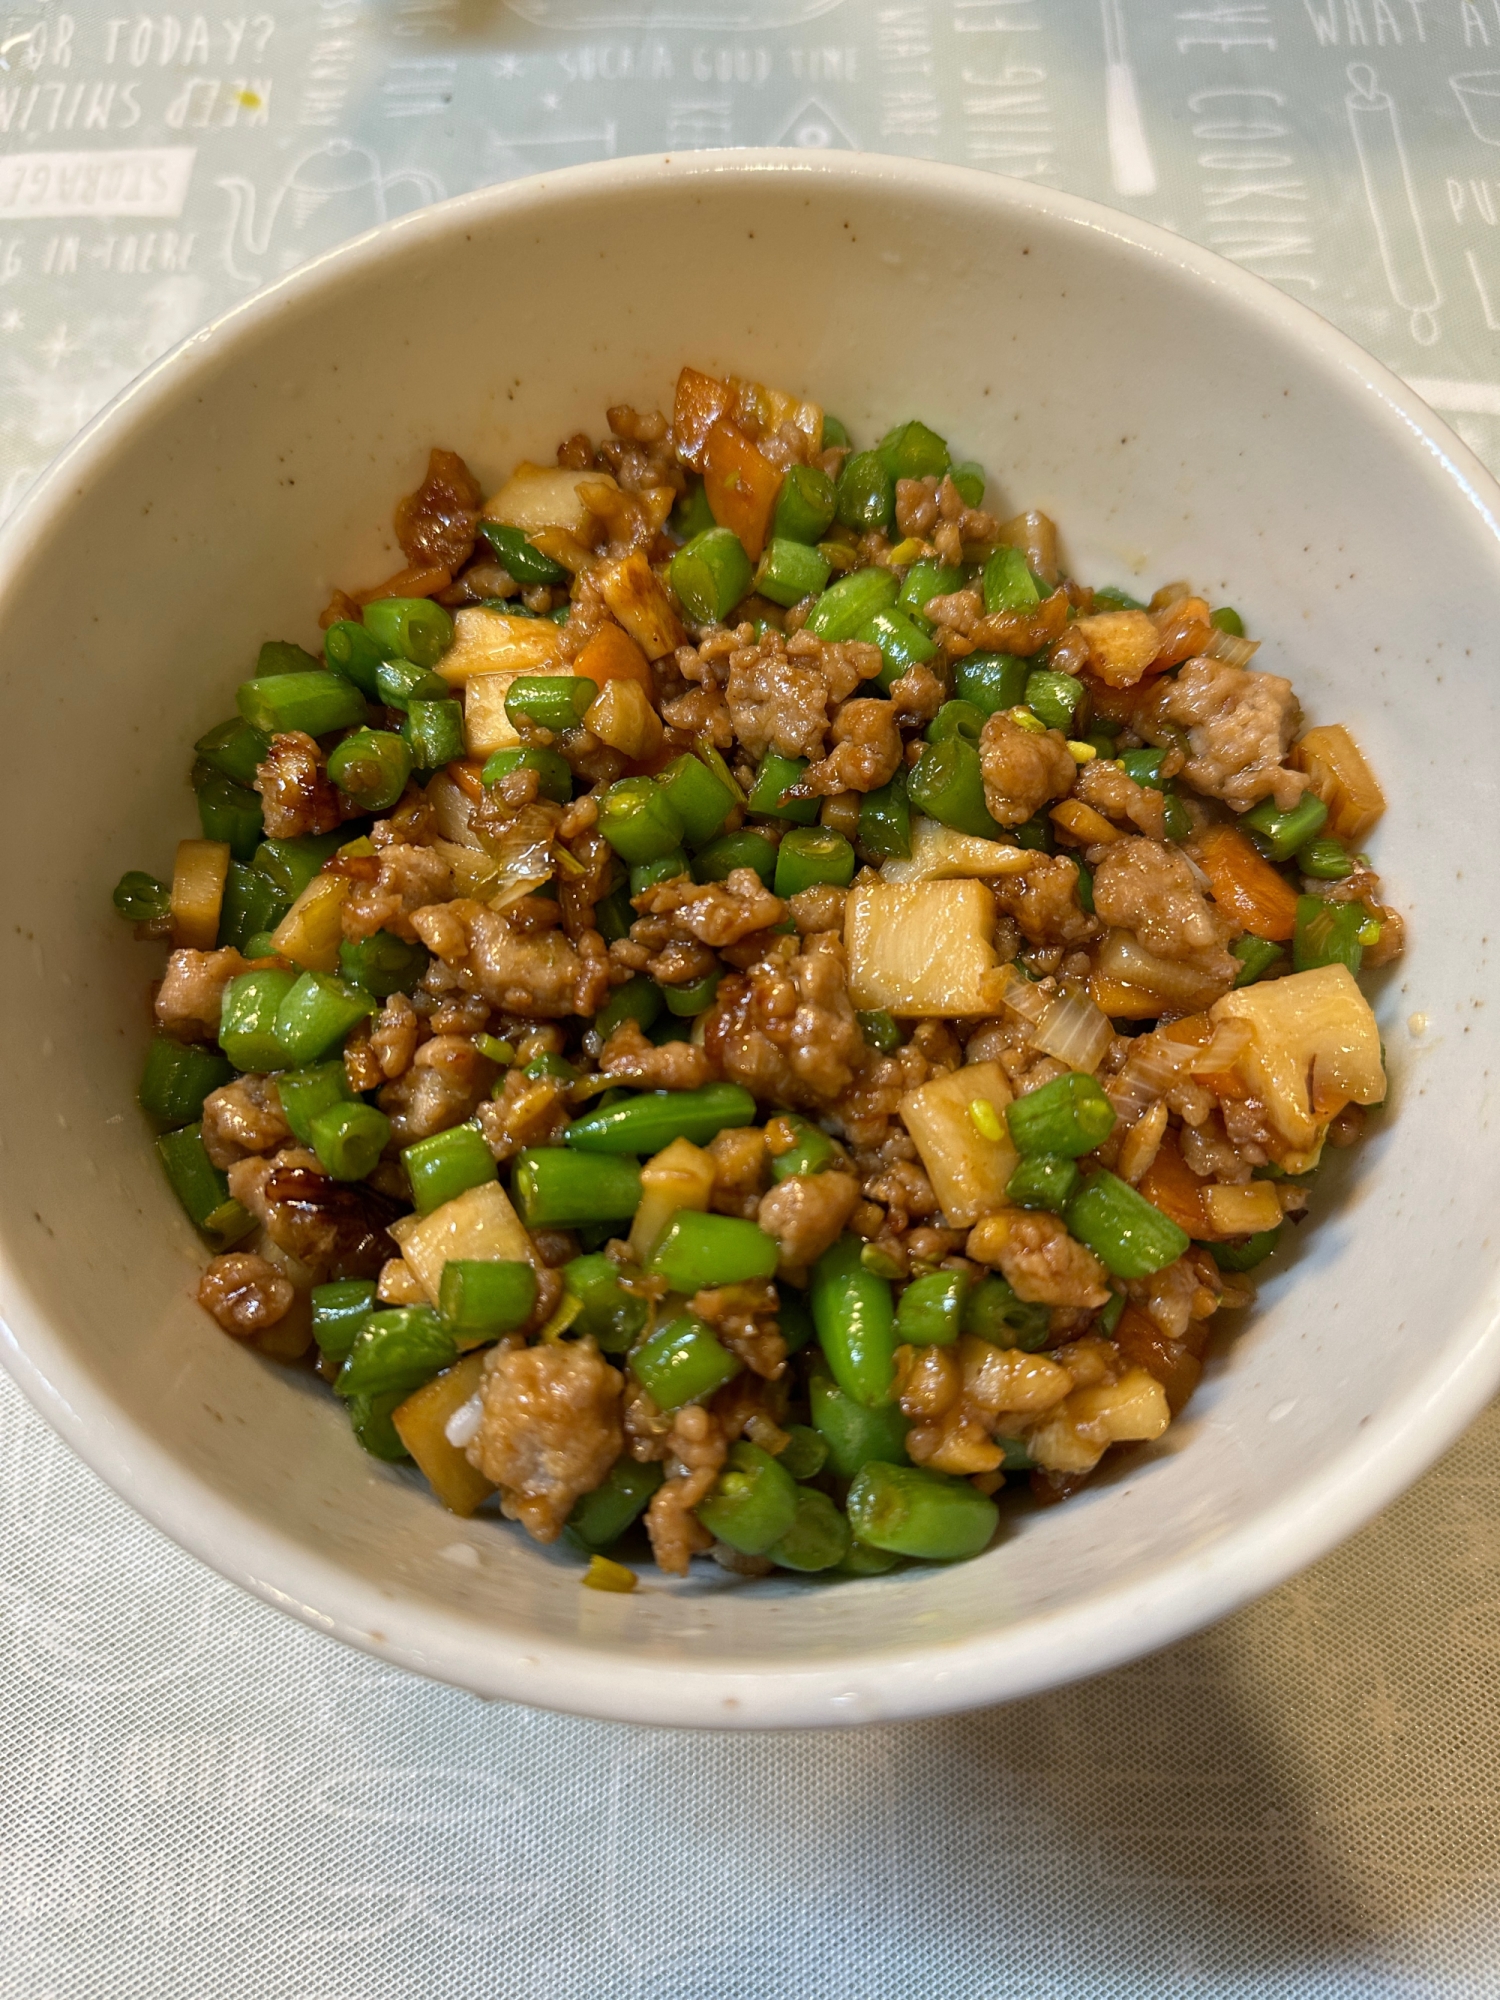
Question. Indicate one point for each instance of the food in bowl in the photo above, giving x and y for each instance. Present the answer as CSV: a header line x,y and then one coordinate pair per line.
x,y
904,988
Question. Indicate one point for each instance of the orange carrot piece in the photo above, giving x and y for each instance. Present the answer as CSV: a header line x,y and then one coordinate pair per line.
x,y
612,655
698,405
1169,1185
1247,887
1083,822
741,485
420,582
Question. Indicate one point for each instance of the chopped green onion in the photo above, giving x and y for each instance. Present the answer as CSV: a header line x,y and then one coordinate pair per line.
x,y
370,767
141,899
913,451
1256,956
202,1190
306,1093
805,506
926,580
398,1349
790,571
1328,933
316,1013
992,680
228,812
349,1140
434,732
355,653
1325,860
1249,1251
1007,583
956,718
247,1020
1227,619
901,640
383,964
339,1310
234,749
866,494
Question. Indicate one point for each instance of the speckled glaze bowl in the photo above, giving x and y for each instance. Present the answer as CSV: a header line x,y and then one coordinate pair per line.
x,y
1178,418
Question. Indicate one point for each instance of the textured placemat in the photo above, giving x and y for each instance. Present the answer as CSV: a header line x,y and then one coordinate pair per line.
x,y
202,1799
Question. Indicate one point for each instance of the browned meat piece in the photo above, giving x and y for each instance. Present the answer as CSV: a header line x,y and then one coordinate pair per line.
x,y
448,1077
918,695
628,1057
744,1318
408,879
393,1038
805,1214
295,794
190,998
1109,789
866,752
550,1430
695,1450
244,1293
740,1167
435,525
700,714
1023,770
530,1111
1148,887
935,510
820,908
336,1228
1240,726
1045,1266
1122,645
780,691
786,1030
544,974
715,913
243,1117
1022,632
1043,899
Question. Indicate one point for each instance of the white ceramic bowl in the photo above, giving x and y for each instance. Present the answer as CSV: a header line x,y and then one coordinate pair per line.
x,y
1178,418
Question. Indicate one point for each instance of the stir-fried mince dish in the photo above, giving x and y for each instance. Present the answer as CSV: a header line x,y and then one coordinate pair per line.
x,y
740,1006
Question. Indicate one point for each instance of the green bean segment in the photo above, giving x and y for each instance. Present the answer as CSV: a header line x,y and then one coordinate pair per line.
x,y
818,1537
1126,1233
647,1123
486,1295
856,1321
682,1362
554,1187
1070,1115
600,1518
397,1350
613,1316
752,1503
930,1311
909,1511
696,1250
446,1165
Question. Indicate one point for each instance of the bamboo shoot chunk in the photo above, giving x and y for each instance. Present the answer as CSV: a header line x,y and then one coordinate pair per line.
x,y
480,1224
638,598
198,877
422,1426
624,718
542,496
679,1176
1241,1211
923,949
966,1162
1314,1048
487,728
1342,779
494,642
943,854
312,929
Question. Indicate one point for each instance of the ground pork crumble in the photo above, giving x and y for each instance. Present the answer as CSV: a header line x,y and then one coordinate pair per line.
x,y
699,1031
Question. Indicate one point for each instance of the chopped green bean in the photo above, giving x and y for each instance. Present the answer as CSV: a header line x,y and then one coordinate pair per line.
x,y
234,749
554,774
805,1452
413,627
401,682
1069,1115
682,1362
1112,599
773,780
614,1317
710,574
1249,1251
600,1518
228,812
554,1187
1056,699
613,916
910,1511
638,1000
316,1013
809,855
247,1020
1279,834
856,1321
1227,619
447,1164
805,506
992,680
851,602
250,904
306,1093
694,998
141,899
1007,583
434,732
885,822
177,1078
818,1537
790,571
355,653
994,1313
1256,956
931,1309
752,1503
926,580
370,1420
349,1140
339,1310
648,1122
913,451
202,1189
382,964
645,875
520,557
701,799
285,656
370,767
558,702
1328,933
956,718
742,849
1043,1180
638,820
289,865
881,1030
854,1435
697,1250
315,703
486,1295
968,477
947,784
810,1152
866,494
1325,860
902,643
1129,1236
1035,834
398,1349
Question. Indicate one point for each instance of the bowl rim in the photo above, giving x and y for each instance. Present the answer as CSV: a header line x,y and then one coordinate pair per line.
x,y
1104,1629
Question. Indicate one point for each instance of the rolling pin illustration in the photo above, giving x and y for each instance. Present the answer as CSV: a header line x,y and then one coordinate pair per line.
x,y
1392,202
1131,167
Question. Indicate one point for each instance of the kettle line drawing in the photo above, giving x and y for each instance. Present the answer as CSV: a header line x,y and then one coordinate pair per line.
x,y
329,195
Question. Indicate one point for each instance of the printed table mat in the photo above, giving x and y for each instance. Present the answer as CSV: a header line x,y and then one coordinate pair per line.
x,y
201,1799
